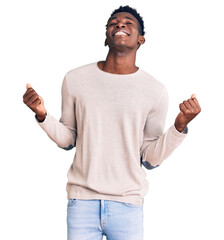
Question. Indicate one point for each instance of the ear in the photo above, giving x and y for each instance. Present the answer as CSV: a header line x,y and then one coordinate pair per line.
x,y
105,43
141,40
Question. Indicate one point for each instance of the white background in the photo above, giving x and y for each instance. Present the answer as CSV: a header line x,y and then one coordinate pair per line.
x,y
41,41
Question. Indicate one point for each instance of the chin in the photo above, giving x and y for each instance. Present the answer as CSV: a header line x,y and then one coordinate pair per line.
x,y
122,45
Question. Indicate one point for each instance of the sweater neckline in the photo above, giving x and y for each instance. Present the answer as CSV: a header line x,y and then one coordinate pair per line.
x,y
116,75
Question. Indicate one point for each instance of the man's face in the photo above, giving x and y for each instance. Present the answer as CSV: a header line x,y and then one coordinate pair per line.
x,y
123,31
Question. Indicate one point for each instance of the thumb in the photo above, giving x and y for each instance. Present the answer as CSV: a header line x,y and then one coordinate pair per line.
x,y
193,96
28,86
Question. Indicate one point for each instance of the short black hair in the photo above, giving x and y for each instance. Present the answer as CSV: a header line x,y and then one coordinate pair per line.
x,y
133,12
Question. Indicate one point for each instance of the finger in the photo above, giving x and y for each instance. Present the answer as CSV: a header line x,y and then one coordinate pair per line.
x,y
187,104
32,99
28,91
182,107
192,103
197,104
28,96
35,103
195,101
193,97
28,86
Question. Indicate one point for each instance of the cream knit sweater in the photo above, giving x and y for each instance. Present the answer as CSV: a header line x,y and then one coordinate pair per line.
x,y
116,123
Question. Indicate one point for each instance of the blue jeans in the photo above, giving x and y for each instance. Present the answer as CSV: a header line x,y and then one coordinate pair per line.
x,y
91,219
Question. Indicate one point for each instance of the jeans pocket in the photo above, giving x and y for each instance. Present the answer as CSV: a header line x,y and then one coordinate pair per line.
x,y
72,202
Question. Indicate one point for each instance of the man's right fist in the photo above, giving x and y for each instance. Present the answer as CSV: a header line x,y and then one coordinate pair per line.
x,y
34,102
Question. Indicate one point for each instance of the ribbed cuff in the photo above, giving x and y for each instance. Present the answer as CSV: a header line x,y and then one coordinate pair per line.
x,y
41,121
179,134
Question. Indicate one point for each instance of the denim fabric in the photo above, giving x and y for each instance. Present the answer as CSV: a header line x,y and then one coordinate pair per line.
x,y
91,219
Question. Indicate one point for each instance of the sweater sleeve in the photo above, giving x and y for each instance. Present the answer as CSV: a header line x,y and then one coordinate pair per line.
x,y
64,131
156,145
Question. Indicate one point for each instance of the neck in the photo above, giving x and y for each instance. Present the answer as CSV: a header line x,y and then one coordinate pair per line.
x,y
119,62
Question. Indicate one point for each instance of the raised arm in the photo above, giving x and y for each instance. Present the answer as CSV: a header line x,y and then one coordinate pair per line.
x,y
62,132
157,146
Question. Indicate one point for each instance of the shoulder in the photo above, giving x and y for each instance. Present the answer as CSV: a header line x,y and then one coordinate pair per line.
x,y
153,86
151,80
77,77
79,71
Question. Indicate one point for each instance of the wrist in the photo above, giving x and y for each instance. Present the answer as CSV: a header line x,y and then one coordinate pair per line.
x,y
179,128
41,118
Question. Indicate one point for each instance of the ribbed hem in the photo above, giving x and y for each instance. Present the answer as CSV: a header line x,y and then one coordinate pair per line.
x,y
75,193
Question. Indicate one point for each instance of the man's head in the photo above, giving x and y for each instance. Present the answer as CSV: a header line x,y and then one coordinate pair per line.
x,y
127,20
133,12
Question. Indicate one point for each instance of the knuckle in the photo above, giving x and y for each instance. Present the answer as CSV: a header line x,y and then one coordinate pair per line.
x,y
31,92
34,96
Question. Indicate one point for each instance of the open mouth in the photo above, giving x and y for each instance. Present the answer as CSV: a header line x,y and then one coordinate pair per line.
x,y
121,33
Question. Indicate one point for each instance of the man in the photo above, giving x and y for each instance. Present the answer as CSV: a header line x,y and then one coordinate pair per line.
x,y
114,113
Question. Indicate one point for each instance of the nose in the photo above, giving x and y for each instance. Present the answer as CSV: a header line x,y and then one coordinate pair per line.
x,y
120,25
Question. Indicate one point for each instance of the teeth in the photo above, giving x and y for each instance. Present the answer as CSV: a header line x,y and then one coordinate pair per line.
x,y
120,33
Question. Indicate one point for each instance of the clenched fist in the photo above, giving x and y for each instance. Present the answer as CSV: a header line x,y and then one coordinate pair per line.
x,y
188,110
34,102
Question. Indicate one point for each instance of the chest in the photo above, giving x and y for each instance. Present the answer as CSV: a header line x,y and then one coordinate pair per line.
x,y
115,100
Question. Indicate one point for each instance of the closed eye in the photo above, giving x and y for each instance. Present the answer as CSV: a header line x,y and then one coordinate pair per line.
x,y
111,24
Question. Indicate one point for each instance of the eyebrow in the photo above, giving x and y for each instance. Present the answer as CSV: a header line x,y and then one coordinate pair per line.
x,y
116,17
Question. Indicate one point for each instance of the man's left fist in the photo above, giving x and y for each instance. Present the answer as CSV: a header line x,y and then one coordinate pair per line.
x,y
188,110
